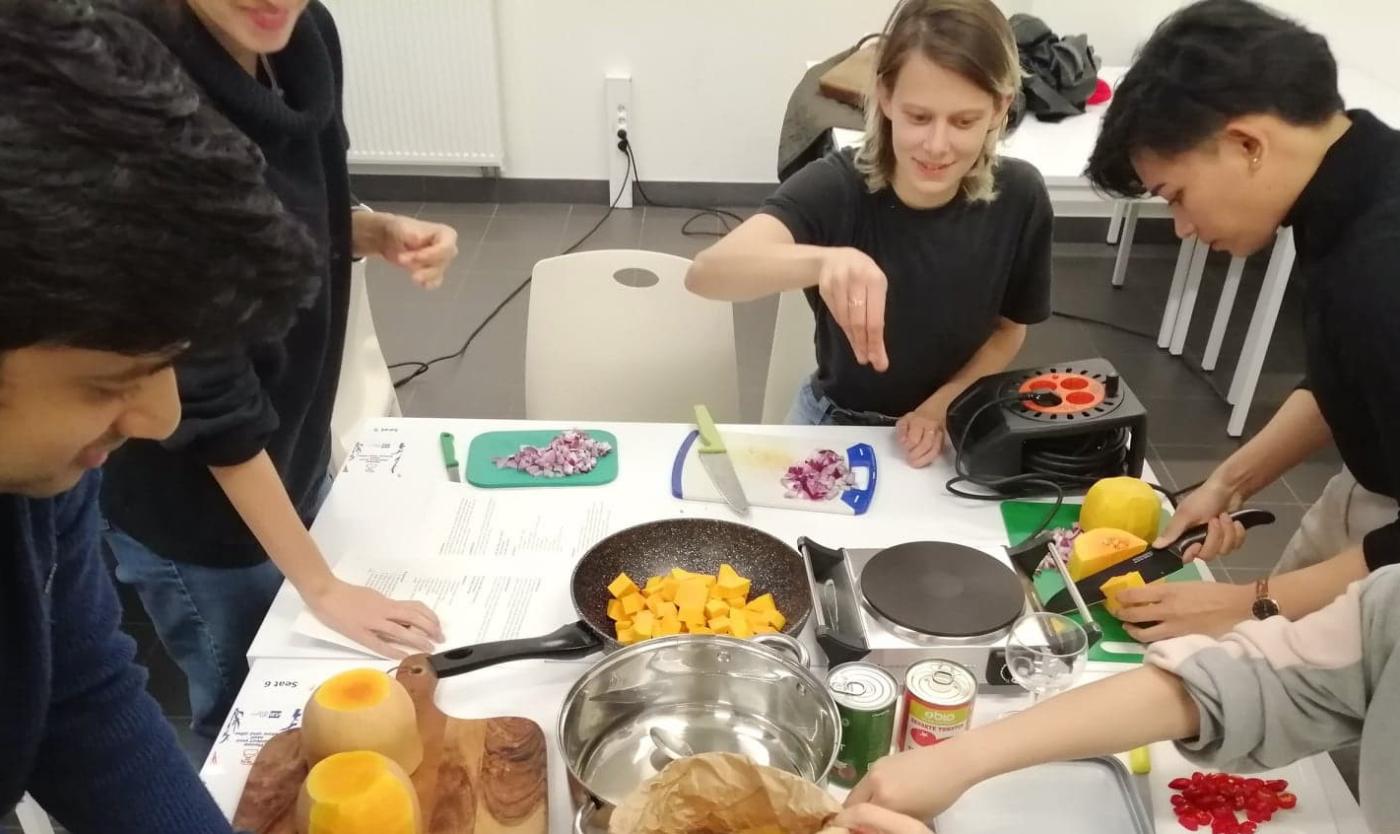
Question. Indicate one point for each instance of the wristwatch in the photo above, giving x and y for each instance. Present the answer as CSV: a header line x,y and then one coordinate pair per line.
x,y
1264,605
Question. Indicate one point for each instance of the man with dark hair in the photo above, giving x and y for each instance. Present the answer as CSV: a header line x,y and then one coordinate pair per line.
x,y
116,186
1232,114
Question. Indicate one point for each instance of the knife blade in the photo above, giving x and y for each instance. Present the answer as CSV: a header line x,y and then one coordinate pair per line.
x,y
1153,563
448,443
718,465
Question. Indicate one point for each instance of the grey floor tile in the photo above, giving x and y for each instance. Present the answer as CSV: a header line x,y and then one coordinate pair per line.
x,y
489,381
1172,421
520,257
661,232
409,209
1160,469
621,230
408,319
1264,545
1308,478
538,230
1159,374
1055,340
1190,464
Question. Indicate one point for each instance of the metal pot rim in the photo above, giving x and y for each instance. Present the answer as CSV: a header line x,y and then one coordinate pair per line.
x,y
657,643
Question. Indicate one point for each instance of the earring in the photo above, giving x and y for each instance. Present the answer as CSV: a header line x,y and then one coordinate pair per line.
x,y
1254,164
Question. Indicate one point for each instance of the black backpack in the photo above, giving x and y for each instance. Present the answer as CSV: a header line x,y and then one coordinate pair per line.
x,y
1060,73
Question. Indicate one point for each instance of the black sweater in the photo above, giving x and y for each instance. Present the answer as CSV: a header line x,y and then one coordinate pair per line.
x,y
1347,227
275,396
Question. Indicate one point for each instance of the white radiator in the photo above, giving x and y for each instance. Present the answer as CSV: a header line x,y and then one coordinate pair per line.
x,y
421,81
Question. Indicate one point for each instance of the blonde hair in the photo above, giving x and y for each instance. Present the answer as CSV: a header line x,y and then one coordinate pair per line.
x,y
969,37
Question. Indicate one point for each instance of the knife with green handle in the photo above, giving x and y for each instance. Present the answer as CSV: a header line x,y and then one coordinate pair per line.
x,y
449,456
718,465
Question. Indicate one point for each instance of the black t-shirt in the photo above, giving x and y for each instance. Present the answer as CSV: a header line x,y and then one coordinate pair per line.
x,y
952,271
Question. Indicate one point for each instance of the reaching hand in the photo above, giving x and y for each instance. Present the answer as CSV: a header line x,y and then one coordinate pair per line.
x,y
392,628
854,288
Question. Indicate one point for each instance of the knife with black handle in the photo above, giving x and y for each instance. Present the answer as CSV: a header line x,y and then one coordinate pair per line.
x,y
1152,564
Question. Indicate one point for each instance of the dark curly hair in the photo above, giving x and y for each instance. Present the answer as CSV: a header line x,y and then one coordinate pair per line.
x,y
1203,66
133,217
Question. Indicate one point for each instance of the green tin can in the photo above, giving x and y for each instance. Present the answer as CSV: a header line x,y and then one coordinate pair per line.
x,y
868,698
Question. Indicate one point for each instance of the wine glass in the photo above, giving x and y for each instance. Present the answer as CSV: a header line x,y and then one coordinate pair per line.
x,y
1045,653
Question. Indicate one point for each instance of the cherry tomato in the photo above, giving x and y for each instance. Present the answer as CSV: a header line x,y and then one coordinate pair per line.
x,y
1277,785
1254,784
1180,783
1287,801
1204,818
1247,827
1188,823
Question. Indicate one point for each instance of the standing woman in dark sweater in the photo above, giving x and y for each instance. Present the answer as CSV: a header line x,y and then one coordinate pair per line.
x,y
196,519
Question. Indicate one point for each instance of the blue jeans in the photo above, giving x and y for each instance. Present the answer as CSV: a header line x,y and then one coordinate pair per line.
x,y
809,409
205,617
812,409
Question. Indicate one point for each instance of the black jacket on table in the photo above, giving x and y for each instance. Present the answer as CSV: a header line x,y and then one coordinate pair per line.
x,y
276,396
1346,225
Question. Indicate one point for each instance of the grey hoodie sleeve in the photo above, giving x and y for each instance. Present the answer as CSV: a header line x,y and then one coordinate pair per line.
x,y
1273,692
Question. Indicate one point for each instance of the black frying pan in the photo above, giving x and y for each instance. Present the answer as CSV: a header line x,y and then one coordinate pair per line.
x,y
651,549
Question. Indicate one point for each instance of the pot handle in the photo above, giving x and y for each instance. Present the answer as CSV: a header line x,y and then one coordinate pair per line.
x,y
584,818
785,644
573,640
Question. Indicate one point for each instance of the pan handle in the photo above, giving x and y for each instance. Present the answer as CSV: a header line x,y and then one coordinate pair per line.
x,y
573,640
583,820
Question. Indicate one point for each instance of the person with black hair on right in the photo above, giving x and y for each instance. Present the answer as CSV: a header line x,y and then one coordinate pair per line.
x,y
1232,114
116,186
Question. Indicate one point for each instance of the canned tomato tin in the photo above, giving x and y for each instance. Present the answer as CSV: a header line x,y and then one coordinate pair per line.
x,y
867,698
938,699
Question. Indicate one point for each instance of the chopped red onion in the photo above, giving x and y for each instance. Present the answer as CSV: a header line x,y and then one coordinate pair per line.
x,y
821,477
570,453
1062,539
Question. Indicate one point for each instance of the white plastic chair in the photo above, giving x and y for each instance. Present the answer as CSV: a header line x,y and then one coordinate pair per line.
x,y
615,335
793,358
366,390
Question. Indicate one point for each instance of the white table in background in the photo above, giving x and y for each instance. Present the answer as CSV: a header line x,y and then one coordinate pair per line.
x,y
371,513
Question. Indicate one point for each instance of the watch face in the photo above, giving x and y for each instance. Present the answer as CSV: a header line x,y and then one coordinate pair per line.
x,y
1265,608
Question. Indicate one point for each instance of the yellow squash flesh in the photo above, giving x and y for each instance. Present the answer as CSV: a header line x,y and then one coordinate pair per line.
x,y
362,709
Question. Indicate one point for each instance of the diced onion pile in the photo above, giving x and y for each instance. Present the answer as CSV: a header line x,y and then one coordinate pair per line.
x,y
571,453
821,477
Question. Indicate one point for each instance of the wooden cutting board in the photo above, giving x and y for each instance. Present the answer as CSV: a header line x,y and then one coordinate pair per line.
x,y
848,81
479,776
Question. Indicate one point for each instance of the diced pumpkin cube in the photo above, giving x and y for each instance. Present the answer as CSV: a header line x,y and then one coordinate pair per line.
x,y
701,630
626,636
690,593
644,624
716,592
693,616
739,624
716,608
764,628
615,611
624,623
720,625
653,602
737,601
777,620
1111,588
632,603
763,603
668,588
727,573
735,589
622,586
653,585
680,574
666,610
667,625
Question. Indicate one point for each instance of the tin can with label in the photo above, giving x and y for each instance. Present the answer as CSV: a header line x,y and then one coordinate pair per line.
x,y
867,698
938,699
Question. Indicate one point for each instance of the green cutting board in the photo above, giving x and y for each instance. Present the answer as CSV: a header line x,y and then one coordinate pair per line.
x,y
485,448
1022,517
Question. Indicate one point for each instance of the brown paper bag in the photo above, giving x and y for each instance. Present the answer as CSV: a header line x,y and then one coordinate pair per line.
x,y
725,793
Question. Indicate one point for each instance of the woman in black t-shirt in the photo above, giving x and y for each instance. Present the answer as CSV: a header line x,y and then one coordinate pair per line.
x,y
923,255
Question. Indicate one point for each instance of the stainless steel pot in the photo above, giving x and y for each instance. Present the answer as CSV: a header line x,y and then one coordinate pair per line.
x,y
631,714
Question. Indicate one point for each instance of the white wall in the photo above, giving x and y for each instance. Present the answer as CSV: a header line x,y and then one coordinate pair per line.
x,y
710,80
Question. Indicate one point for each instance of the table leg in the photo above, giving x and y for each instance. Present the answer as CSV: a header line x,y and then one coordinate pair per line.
x,y
1125,242
1183,260
1115,221
1222,314
1188,298
1261,330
